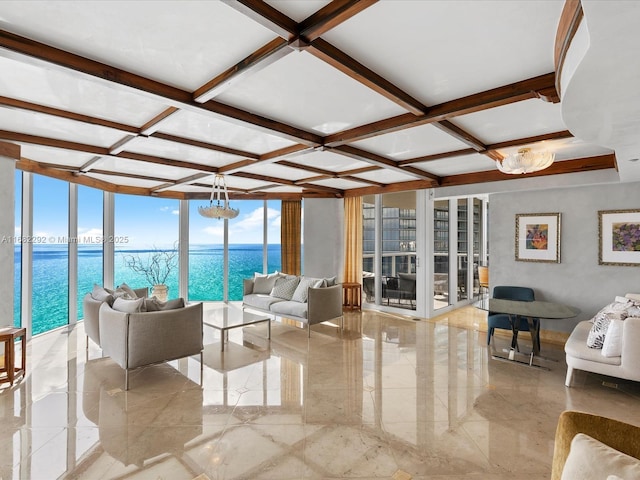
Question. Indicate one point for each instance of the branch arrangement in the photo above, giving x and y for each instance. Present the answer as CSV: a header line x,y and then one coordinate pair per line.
x,y
157,267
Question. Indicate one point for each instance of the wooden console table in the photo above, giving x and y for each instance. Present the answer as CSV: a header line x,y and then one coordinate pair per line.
x,y
9,372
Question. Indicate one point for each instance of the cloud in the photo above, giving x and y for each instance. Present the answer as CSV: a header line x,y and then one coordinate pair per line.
x,y
90,235
175,212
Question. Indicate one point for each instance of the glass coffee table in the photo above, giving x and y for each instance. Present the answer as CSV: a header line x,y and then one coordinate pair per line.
x,y
226,317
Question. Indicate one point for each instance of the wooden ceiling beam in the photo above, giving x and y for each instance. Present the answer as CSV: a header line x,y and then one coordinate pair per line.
x,y
57,112
206,145
52,142
354,69
528,140
182,181
263,178
152,125
261,58
267,16
330,16
321,188
437,156
496,97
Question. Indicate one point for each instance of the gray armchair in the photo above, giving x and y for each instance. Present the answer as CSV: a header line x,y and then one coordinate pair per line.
x,y
134,340
90,309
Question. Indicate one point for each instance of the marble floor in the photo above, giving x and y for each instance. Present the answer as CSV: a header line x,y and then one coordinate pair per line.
x,y
388,397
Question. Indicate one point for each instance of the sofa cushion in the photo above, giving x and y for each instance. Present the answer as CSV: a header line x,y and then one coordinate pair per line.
x,y
154,305
264,283
260,300
591,459
576,346
330,281
128,305
289,307
125,291
285,287
302,290
612,346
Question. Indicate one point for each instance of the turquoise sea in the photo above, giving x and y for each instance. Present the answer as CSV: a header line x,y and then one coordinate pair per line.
x,y
50,276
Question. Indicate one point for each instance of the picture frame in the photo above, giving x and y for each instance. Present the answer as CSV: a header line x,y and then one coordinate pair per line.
x,y
538,237
619,237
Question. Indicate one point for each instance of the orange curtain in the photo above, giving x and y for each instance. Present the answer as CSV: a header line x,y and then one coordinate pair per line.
x,y
290,236
353,239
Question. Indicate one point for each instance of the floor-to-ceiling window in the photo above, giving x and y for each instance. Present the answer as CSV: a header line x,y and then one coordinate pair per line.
x,y
17,251
146,228
50,283
440,254
463,249
90,241
478,250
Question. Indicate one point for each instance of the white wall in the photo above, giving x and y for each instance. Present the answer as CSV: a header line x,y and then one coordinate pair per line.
x,y
7,231
578,280
323,237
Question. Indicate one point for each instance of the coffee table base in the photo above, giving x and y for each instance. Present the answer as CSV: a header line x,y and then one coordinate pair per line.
x,y
224,331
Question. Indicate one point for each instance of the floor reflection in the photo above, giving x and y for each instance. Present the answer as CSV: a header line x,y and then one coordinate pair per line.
x,y
385,396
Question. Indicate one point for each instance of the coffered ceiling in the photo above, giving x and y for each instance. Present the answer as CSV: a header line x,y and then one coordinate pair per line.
x,y
286,97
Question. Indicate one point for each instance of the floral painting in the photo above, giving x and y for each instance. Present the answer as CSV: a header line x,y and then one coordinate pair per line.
x,y
619,233
538,237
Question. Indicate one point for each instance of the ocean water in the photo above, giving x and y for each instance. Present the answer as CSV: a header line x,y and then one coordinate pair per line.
x,y
51,271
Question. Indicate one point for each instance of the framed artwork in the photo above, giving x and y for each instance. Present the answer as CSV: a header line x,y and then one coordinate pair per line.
x,y
538,237
619,235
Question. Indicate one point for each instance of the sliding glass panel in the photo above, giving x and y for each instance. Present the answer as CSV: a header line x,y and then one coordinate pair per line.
x,y
463,249
399,249
274,254
17,252
50,254
368,248
206,249
146,230
477,242
440,254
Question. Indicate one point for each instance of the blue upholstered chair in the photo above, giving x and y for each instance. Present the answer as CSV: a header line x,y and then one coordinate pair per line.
x,y
501,320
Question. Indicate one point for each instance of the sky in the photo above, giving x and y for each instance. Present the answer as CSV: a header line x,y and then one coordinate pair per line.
x,y
141,222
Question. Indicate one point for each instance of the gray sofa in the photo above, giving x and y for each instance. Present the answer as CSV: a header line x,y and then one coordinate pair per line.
x,y
134,340
90,307
320,304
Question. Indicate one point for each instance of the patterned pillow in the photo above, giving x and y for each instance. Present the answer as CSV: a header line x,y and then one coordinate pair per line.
x,y
598,331
302,290
285,287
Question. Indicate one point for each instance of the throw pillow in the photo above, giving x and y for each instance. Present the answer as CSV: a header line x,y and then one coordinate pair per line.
x,y
127,290
128,306
598,331
612,345
285,287
590,459
101,294
302,290
264,283
330,282
154,305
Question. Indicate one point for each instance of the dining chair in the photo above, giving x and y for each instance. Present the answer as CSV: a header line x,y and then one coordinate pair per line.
x,y
501,320
483,279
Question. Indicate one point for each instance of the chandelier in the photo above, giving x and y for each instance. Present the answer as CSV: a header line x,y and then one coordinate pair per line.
x,y
220,209
525,161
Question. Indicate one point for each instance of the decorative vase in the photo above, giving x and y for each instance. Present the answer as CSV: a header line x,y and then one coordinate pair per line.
x,y
160,292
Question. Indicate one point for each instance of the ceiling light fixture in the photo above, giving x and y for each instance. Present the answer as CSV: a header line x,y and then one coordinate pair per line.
x,y
525,161
219,210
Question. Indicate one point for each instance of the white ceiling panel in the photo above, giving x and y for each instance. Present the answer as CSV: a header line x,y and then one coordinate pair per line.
x,y
297,9
57,128
125,181
411,143
386,176
516,120
122,165
184,44
328,160
458,165
457,48
56,156
55,88
279,171
207,128
178,151
340,183
330,103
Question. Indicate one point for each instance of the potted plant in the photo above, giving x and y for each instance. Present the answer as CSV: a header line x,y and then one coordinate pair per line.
x,y
156,268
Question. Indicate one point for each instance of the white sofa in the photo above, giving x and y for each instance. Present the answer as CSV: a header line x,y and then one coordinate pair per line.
x,y
321,303
579,356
